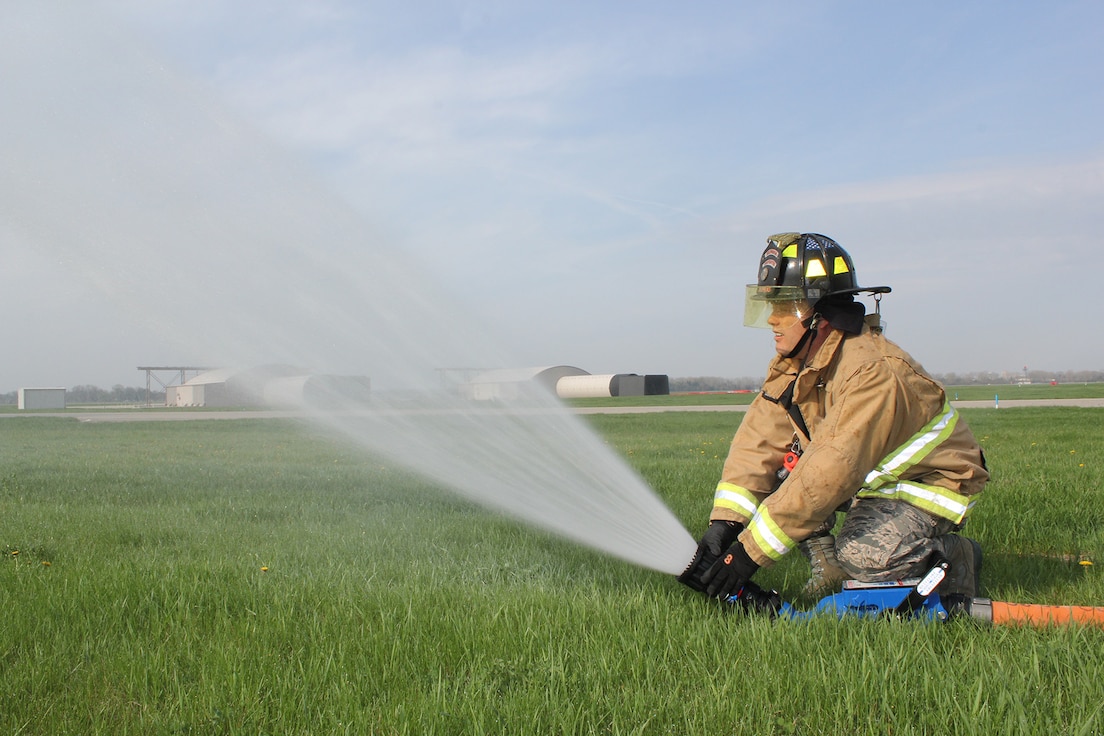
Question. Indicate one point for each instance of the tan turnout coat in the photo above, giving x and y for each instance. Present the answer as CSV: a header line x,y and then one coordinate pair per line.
x,y
879,426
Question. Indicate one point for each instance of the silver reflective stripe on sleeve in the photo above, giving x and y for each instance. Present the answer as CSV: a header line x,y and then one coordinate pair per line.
x,y
735,498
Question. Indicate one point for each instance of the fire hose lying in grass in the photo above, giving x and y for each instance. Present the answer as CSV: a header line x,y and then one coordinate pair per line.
x,y
917,598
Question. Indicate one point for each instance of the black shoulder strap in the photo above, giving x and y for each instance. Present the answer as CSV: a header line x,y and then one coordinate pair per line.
x,y
786,402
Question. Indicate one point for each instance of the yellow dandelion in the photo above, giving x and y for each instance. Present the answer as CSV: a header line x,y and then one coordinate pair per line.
x,y
45,563
15,553
264,569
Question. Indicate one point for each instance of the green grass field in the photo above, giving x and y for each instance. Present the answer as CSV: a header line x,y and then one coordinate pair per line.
x,y
248,577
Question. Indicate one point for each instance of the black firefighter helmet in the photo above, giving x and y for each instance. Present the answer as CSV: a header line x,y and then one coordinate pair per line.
x,y
806,270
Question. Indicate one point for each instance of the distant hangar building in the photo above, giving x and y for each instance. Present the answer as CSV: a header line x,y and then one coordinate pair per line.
x,y
567,382
612,384
269,386
211,388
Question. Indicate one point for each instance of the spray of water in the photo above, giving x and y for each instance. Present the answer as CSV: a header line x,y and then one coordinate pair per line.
x,y
139,180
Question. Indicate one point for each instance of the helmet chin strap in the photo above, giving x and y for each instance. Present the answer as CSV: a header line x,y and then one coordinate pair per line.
x,y
811,326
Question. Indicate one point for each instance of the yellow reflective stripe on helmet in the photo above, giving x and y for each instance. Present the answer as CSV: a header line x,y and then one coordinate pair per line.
x,y
790,251
814,268
840,265
768,536
941,502
894,465
735,498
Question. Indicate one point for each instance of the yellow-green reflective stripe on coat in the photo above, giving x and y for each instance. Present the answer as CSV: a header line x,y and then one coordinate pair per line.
x,y
884,480
735,498
918,447
768,536
934,499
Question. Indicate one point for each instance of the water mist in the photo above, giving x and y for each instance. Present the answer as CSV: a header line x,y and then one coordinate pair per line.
x,y
139,180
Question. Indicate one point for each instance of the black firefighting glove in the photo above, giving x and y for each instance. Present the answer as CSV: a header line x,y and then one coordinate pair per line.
x,y
717,538
728,575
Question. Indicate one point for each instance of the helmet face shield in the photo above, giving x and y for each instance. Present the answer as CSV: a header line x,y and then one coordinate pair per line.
x,y
787,303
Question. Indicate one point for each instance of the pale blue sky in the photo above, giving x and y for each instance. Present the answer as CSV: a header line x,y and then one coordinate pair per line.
x,y
595,181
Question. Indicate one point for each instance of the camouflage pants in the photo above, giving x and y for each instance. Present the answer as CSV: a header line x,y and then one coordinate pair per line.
x,y
883,539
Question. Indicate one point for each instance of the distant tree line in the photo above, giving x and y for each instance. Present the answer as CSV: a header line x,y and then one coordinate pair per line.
x,y
714,383
981,378
117,394
986,378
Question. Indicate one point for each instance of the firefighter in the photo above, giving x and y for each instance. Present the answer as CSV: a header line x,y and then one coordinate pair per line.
x,y
846,420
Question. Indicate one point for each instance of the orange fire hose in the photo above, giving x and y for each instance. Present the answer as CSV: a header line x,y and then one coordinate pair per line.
x,y
1034,614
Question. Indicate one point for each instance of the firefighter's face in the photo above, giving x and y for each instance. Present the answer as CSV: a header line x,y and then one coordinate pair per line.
x,y
785,321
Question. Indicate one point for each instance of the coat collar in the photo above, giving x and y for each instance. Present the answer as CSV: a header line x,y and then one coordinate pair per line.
x,y
782,371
